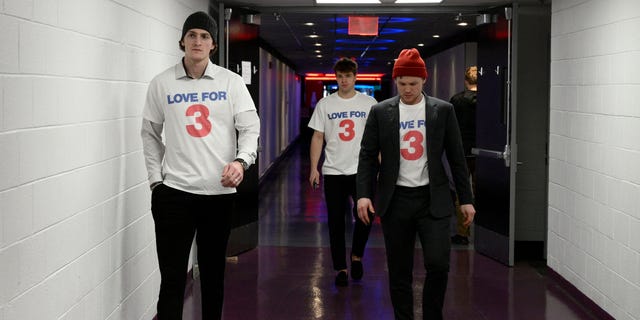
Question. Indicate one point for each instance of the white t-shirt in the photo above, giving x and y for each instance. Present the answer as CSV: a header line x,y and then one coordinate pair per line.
x,y
413,145
199,117
342,121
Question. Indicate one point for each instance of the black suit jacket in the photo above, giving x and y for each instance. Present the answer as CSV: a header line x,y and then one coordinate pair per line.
x,y
382,135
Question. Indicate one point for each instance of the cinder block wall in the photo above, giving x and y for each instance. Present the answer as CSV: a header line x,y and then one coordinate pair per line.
x,y
76,233
594,178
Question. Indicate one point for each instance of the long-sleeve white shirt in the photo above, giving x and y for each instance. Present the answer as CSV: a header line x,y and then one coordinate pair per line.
x,y
199,118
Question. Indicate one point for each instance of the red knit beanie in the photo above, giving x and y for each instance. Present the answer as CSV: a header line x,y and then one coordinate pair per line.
x,y
409,63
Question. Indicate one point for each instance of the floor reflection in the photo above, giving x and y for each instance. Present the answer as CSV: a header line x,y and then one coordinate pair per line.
x,y
289,276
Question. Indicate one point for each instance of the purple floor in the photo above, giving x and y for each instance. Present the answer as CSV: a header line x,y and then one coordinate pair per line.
x,y
289,275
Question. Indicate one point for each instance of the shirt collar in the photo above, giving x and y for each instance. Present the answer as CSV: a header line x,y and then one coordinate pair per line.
x,y
181,71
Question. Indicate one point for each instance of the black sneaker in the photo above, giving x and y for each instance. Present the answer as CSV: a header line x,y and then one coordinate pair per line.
x,y
356,270
342,279
460,240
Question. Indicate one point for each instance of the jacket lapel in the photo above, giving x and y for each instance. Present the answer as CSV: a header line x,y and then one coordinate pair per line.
x,y
393,114
431,116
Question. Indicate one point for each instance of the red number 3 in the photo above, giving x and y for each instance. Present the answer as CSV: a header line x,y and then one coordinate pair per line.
x,y
203,126
415,150
348,133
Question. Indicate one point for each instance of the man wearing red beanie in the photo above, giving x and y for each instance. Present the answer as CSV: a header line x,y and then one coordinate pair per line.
x,y
410,132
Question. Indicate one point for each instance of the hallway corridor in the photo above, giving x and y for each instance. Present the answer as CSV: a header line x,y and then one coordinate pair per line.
x,y
289,275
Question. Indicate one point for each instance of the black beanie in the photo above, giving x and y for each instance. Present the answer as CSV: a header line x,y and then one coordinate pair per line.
x,y
200,20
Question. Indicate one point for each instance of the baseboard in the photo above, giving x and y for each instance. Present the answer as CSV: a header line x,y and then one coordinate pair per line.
x,y
581,299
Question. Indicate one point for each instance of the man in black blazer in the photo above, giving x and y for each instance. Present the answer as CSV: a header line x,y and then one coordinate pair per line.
x,y
402,147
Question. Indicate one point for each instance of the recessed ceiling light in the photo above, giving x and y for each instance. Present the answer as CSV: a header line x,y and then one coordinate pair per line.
x,y
436,36
313,36
309,24
319,56
418,1
346,1
318,51
463,24
420,44
317,44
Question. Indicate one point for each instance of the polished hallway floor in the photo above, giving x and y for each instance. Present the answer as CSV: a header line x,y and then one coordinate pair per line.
x,y
289,275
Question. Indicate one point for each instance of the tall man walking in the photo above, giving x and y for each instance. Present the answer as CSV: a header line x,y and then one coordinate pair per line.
x,y
193,177
411,131
339,120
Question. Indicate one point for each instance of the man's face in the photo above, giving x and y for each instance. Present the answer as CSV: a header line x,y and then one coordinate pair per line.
x,y
471,75
197,44
346,81
410,89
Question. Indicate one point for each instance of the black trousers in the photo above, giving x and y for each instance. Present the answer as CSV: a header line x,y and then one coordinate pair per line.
x,y
408,215
178,216
337,191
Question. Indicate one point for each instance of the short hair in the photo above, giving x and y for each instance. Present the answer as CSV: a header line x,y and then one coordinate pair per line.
x,y
471,75
346,65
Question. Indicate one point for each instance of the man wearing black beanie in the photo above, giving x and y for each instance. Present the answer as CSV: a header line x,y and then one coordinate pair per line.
x,y
193,173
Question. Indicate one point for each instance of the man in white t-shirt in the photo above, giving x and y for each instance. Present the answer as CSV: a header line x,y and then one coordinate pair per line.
x,y
402,151
339,120
194,173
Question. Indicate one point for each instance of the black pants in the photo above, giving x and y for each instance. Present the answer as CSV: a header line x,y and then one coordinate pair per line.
x,y
178,216
337,191
408,215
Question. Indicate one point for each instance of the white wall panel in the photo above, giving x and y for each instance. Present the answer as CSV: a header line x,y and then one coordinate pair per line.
x,y
74,201
9,37
594,134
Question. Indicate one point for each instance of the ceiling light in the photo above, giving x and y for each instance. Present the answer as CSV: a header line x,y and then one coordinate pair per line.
x,y
458,19
317,44
309,24
420,44
346,1
418,1
313,36
436,36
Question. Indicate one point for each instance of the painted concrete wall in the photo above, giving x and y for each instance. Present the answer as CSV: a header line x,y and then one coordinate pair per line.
x,y
76,233
594,166
279,107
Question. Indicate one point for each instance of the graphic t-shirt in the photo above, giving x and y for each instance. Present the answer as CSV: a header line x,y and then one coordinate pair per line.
x,y
199,127
342,121
413,145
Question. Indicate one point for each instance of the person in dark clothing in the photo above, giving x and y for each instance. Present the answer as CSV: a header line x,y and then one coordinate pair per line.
x,y
464,104
401,161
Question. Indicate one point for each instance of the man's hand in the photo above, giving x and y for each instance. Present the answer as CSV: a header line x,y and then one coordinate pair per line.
x,y
365,208
232,174
468,211
314,178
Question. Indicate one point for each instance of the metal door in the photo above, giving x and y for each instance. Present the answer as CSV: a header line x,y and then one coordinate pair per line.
x,y
494,123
